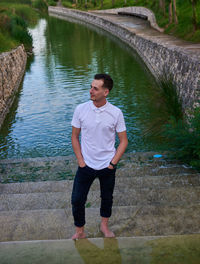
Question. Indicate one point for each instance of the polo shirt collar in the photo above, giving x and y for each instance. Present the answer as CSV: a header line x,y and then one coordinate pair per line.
x,y
101,109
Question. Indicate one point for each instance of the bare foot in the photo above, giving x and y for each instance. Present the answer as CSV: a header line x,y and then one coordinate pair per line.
x,y
78,236
106,231
79,233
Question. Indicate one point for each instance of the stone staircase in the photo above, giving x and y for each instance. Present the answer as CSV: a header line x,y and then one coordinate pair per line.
x,y
153,197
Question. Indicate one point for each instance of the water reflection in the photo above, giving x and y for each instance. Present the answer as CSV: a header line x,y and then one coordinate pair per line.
x,y
92,254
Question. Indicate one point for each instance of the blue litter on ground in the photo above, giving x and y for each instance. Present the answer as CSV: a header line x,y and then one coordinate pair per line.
x,y
157,156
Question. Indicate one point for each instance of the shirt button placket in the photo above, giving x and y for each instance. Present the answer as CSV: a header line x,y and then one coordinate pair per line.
x,y
97,116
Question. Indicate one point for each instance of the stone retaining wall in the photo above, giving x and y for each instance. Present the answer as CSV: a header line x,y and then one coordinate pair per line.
x,y
12,67
160,56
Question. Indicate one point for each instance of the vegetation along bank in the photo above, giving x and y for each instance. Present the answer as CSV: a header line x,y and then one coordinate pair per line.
x,y
15,18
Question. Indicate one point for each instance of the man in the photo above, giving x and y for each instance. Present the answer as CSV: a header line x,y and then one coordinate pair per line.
x,y
98,121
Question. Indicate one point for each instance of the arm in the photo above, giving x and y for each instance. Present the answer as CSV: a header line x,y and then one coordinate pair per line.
x,y
121,148
76,146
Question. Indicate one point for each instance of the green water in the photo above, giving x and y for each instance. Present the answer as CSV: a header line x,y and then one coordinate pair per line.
x,y
58,77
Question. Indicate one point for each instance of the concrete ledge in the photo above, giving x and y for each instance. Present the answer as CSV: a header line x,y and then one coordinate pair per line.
x,y
139,11
161,53
133,14
101,250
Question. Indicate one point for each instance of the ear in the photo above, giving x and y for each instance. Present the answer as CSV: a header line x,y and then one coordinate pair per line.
x,y
106,91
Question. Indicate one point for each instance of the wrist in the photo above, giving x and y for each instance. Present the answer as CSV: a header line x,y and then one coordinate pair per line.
x,y
114,165
81,163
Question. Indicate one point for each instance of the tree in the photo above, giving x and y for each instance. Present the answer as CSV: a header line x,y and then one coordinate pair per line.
x,y
172,11
194,13
175,14
162,6
113,3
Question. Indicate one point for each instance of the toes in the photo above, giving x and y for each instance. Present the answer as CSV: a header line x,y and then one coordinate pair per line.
x,y
78,236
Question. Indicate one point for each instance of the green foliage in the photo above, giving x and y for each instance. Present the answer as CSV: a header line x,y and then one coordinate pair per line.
x,y
165,104
6,42
67,4
27,2
52,2
18,28
27,13
40,4
24,11
96,4
180,132
169,97
184,138
184,29
14,21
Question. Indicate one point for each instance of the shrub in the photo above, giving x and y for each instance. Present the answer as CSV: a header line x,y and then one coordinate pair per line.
x,y
52,2
169,97
67,4
27,13
27,2
6,43
4,22
165,103
40,4
14,22
184,138
19,31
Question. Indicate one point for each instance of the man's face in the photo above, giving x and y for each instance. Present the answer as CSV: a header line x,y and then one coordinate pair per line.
x,y
97,92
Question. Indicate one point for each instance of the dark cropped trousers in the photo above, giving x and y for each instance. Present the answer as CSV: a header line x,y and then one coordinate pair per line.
x,y
82,183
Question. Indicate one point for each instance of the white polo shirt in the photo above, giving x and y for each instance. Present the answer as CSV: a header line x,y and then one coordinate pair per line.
x,y
98,129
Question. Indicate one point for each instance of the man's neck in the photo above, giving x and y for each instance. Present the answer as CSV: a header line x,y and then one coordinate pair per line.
x,y
100,104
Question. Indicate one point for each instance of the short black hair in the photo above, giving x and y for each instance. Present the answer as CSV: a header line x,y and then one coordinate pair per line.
x,y
107,80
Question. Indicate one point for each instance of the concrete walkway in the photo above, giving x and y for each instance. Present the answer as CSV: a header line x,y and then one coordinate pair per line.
x,y
143,28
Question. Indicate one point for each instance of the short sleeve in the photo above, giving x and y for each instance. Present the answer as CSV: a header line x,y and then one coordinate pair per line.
x,y
75,120
121,126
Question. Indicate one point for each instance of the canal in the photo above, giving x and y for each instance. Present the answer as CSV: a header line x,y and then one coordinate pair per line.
x,y
58,77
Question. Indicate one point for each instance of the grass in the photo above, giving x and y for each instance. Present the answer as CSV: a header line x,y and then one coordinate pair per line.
x,y
166,104
183,137
15,18
14,21
40,5
179,132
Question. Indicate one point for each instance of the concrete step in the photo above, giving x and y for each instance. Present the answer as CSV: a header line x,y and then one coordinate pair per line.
x,y
61,168
66,174
121,196
180,249
163,181
37,169
148,170
125,221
